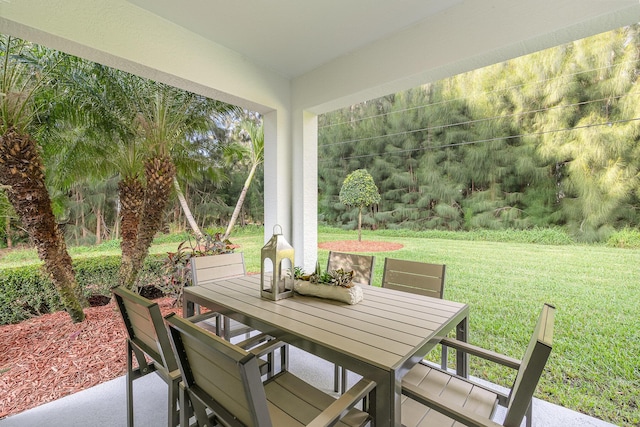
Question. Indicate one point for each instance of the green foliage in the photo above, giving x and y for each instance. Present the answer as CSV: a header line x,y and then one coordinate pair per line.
x,y
177,271
339,277
625,238
246,230
545,140
359,190
543,236
27,291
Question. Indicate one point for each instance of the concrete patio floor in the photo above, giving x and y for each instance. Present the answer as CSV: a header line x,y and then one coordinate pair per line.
x,y
105,405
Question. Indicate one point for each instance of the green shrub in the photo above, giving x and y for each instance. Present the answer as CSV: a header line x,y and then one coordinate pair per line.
x,y
176,272
625,238
543,236
27,291
245,230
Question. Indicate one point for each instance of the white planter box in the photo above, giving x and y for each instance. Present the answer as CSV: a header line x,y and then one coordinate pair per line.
x,y
352,295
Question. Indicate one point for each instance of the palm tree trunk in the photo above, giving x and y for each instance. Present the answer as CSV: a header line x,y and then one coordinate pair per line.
x,y
187,211
131,193
159,172
21,169
243,195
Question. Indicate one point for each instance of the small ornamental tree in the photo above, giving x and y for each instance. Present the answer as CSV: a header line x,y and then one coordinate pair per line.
x,y
359,190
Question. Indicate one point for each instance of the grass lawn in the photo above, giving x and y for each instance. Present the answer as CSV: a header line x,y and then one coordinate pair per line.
x,y
595,364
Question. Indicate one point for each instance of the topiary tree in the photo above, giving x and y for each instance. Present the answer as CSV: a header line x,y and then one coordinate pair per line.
x,y
359,190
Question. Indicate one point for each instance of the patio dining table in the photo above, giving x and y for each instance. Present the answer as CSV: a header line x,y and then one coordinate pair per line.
x,y
380,338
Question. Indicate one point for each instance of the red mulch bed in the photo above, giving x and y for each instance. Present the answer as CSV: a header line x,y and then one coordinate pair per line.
x,y
49,357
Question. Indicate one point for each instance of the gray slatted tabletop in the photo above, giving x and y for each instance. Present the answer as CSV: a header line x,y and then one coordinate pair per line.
x,y
380,338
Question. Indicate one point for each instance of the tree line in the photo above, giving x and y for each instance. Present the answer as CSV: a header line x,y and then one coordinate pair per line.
x,y
545,140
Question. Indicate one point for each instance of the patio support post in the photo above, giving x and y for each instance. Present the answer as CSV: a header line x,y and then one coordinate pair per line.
x,y
278,173
305,188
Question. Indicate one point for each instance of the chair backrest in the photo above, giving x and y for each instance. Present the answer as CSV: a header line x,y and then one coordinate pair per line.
x,y
145,327
361,265
414,276
531,367
215,267
223,376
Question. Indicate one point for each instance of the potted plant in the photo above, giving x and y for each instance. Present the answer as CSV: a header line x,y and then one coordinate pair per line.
x,y
336,284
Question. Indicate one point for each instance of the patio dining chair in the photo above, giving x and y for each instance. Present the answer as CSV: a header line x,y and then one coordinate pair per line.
x,y
362,267
433,397
417,278
215,267
148,343
222,383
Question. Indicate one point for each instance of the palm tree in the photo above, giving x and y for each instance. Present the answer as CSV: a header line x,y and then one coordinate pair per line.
x,y
105,99
167,117
139,126
25,75
255,153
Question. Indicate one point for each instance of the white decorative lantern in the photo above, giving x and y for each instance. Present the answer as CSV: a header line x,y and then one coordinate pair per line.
x,y
273,285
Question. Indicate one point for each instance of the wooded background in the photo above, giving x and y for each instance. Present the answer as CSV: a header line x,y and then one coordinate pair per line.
x,y
548,139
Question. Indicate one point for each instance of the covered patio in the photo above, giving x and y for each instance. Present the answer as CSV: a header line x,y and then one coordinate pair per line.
x,y
291,60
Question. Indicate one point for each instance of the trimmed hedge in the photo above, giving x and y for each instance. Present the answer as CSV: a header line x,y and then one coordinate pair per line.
x,y
27,291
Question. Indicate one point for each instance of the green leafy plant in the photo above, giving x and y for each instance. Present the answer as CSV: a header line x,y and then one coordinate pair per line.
x,y
27,291
178,268
359,190
338,277
298,273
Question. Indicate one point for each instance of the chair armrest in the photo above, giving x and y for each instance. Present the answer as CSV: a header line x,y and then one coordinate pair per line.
x,y
263,349
474,350
332,414
458,413
254,340
203,316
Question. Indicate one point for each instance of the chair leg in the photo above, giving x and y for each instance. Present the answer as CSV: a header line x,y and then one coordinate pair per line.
x,y
336,378
184,404
444,358
129,385
174,403
199,409
270,363
284,358
344,381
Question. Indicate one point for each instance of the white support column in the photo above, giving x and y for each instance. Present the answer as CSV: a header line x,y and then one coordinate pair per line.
x,y
278,174
305,189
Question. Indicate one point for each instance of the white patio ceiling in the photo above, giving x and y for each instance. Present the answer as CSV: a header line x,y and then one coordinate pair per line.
x,y
294,59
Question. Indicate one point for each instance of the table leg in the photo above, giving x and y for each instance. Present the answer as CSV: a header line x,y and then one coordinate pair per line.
x,y
188,307
385,405
462,360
